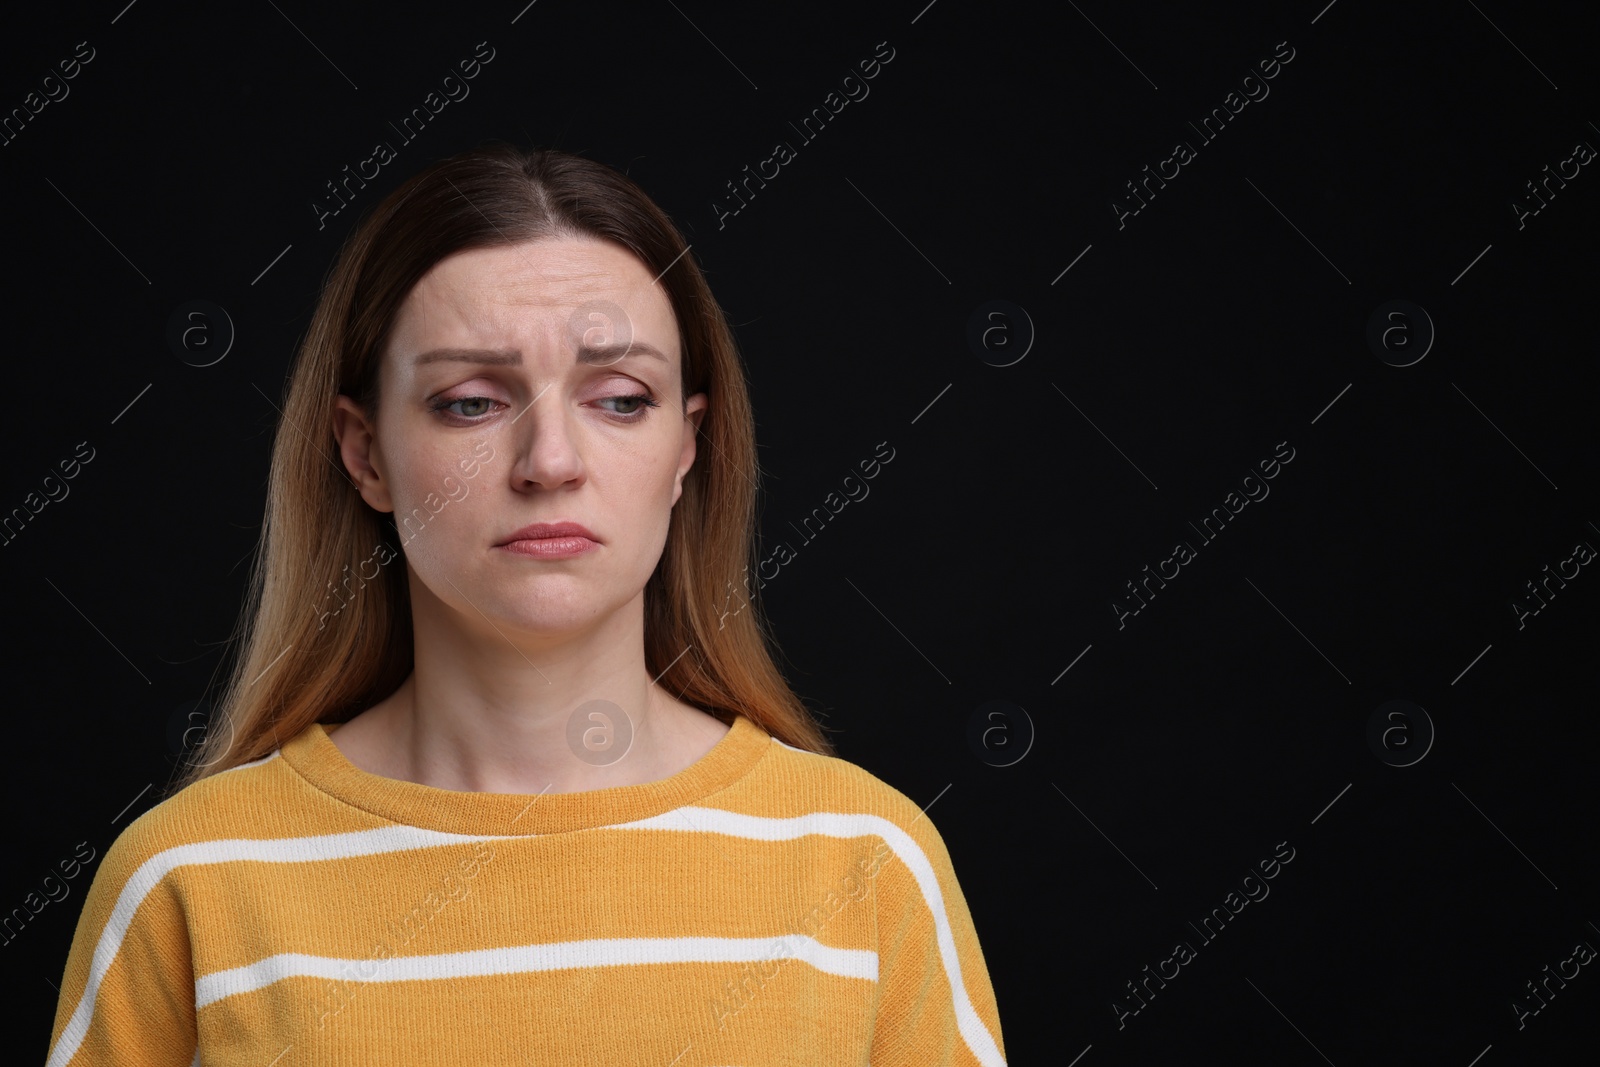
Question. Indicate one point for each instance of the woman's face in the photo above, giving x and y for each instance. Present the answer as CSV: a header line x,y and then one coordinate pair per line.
x,y
488,421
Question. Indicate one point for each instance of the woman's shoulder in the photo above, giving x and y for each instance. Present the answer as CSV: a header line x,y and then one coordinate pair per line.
x,y
818,783
245,801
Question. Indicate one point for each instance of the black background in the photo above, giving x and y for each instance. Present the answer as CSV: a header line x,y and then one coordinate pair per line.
x,y
1179,350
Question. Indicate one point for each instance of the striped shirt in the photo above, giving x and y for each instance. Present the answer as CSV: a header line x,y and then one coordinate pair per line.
x,y
766,905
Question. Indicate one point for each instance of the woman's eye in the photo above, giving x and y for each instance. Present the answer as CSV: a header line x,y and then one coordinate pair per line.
x,y
449,405
635,403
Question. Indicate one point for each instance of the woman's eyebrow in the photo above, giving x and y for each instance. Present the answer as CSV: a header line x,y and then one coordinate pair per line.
x,y
598,355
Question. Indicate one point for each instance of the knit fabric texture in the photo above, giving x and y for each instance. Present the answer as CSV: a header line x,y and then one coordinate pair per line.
x,y
763,906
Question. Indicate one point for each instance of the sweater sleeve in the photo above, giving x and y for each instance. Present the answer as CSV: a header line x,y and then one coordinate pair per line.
x,y
127,994
935,1001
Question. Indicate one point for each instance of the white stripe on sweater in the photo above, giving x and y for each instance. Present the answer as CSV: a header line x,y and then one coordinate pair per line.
x,y
560,955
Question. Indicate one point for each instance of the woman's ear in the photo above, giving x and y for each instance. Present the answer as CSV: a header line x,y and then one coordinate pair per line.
x,y
694,412
356,436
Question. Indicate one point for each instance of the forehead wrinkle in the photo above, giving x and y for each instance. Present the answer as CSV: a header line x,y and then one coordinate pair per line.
x,y
474,294
549,270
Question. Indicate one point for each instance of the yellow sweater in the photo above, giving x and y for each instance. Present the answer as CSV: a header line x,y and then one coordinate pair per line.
x,y
765,905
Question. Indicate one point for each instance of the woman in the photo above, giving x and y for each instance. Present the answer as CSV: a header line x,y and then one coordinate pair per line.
x,y
505,771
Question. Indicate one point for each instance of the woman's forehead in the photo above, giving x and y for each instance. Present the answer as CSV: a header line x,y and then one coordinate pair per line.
x,y
539,287
542,272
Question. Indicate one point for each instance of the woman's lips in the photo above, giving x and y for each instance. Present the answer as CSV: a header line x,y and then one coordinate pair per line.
x,y
551,547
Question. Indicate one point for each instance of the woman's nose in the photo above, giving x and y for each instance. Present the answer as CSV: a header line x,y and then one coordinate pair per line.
x,y
544,450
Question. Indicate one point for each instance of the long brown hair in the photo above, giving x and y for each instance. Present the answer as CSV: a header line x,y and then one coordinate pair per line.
x,y
294,665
